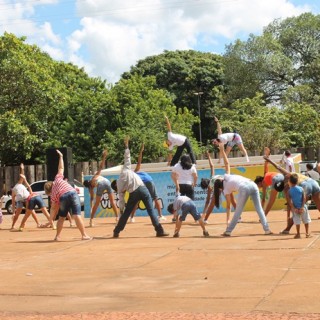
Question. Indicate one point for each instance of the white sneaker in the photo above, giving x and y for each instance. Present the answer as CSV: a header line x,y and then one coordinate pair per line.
x,y
205,222
162,218
132,220
268,232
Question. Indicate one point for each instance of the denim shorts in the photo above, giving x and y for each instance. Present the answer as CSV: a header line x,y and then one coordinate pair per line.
x,y
19,204
236,140
277,178
69,202
103,185
310,187
36,201
189,207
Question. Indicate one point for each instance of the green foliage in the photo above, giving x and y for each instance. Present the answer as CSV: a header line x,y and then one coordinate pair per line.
x,y
142,107
29,95
301,124
184,73
259,125
286,55
265,88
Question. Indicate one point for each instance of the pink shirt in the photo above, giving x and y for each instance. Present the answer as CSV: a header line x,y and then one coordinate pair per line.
x,y
59,188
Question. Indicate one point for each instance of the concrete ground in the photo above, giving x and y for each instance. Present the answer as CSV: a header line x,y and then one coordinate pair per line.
x,y
138,276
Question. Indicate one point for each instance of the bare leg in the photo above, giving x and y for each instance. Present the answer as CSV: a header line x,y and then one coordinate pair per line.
x,y
80,225
307,230
47,215
202,225
157,203
178,227
316,200
69,217
59,228
24,220
244,151
228,149
297,236
209,209
35,218
15,217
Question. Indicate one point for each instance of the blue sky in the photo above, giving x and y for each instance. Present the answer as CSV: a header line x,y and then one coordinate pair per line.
x,y
106,37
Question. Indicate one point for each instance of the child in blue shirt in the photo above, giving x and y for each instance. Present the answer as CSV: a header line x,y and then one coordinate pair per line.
x,y
297,202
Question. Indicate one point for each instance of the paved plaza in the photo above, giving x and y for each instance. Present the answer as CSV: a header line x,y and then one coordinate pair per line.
x,y
138,276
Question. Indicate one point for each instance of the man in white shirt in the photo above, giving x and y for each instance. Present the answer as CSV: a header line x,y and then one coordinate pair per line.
x,y
131,182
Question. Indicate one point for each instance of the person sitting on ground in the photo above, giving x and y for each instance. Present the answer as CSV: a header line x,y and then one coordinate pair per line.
x,y
230,139
185,205
101,184
130,182
297,203
181,142
64,199
149,183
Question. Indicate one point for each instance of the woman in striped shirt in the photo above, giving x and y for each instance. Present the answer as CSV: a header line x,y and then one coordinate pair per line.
x,y
64,198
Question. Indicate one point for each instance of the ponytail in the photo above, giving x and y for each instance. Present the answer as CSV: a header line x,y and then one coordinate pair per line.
x,y
218,185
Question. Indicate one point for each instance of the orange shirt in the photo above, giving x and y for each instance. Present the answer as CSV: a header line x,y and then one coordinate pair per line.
x,y
268,178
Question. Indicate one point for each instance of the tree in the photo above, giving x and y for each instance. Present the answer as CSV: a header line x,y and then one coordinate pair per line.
x,y
184,73
286,55
141,108
89,113
29,96
258,124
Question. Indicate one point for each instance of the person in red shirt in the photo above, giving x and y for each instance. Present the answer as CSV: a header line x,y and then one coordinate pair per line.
x,y
64,199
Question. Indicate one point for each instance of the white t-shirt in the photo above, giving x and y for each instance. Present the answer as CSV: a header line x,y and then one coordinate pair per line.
x,y
175,139
21,192
232,183
289,164
184,176
179,201
226,137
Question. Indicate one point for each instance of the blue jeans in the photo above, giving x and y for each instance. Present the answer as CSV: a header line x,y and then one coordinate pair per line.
x,y
189,207
140,194
246,190
36,201
69,202
310,187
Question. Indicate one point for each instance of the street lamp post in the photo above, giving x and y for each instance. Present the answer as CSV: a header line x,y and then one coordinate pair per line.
x,y
199,94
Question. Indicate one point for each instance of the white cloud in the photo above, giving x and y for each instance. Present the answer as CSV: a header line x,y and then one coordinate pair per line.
x,y
113,35
117,34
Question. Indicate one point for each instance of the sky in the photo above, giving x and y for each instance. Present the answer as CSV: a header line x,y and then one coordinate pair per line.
x,y
107,37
